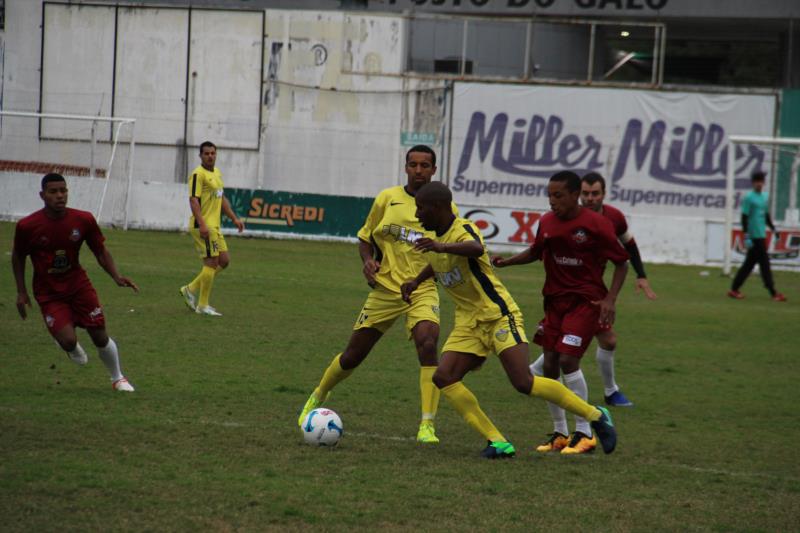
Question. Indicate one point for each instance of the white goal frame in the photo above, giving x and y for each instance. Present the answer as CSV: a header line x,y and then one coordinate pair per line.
x,y
791,212
119,122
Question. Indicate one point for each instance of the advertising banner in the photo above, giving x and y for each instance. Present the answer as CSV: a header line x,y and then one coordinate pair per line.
x,y
306,214
661,153
783,251
502,225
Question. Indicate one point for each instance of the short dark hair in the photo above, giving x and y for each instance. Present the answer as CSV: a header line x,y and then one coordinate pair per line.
x,y
435,192
425,150
759,175
207,144
568,177
593,177
51,178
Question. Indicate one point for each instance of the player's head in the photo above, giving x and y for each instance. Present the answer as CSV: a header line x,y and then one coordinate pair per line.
x,y
420,166
208,154
54,192
434,209
563,191
758,179
593,191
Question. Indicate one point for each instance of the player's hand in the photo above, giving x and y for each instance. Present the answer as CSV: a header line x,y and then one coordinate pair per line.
x,y
643,285
747,242
23,301
428,245
371,268
608,311
122,281
239,224
407,288
777,235
203,229
498,261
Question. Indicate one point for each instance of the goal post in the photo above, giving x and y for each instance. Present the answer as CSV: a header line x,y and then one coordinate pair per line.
x,y
782,146
89,135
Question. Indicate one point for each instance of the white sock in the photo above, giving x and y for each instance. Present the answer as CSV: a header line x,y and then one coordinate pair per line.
x,y
556,413
110,357
605,362
577,384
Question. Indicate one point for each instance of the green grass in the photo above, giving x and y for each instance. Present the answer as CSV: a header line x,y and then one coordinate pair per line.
x,y
209,441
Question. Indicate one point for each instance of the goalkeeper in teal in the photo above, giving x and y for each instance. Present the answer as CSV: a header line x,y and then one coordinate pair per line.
x,y
755,219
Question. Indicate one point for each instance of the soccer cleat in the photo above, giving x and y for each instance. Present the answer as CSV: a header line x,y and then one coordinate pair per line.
x,y
617,399
427,433
122,385
736,295
498,450
207,310
556,442
188,298
604,429
779,297
311,404
580,443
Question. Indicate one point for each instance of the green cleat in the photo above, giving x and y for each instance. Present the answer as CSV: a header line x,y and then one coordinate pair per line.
x,y
427,433
311,404
498,450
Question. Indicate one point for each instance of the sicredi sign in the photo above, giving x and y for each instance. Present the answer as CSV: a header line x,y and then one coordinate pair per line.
x,y
660,152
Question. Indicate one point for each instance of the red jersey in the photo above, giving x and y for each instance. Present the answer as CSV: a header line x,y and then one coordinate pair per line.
x,y
617,219
575,252
54,245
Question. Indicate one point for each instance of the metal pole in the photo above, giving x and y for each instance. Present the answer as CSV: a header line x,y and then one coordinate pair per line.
x,y
661,55
729,180
464,48
130,174
528,31
91,149
655,60
590,70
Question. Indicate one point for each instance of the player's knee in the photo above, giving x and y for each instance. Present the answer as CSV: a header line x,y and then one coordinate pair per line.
x,y
442,379
68,344
426,350
523,384
223,262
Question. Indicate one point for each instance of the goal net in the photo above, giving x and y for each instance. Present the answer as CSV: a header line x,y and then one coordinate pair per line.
x,y
781,163
94,153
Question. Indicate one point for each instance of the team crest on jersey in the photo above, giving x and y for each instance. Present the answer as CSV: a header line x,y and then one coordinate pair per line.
x,y
96,312
579,236
502,334
74,235
43,240
219,193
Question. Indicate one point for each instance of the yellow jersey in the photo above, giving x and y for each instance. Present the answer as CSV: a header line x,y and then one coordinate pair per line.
x,y
478,294
208,187
392,228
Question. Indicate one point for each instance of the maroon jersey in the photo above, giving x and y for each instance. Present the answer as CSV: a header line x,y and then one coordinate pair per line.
x,y
54,245
617,219
575,252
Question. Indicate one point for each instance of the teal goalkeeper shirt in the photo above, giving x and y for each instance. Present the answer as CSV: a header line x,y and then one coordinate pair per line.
x,y
755,207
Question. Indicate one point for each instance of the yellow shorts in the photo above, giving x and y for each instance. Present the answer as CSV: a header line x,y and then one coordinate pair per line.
x,y
210,247
484,338
384,306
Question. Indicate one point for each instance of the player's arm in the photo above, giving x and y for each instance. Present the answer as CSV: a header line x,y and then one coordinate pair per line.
x,y
629,243
410,286
608,305
371,265
467,248
194,205
523,258
105,260
772,226
226,208
18,266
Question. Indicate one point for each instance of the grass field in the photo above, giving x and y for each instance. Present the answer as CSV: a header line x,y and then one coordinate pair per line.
x,y
209,440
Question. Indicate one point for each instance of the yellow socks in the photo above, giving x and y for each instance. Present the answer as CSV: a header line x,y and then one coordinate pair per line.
x,y
553,391
194,286
206,282
333,375
467,406
429,393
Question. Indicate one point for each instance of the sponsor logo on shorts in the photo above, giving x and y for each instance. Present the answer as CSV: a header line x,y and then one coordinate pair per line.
x,y
502,334
75,235
435,309
50,321
572,340
96,312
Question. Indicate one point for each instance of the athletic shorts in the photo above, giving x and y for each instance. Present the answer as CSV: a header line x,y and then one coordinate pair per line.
x,y
210,247
570,322
384,306
484,338
81,309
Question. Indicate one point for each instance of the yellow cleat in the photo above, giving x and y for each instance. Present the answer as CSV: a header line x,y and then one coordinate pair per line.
x,y
427,434
311,404
580,443
556,442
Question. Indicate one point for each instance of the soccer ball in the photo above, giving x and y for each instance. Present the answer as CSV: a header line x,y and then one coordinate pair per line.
x,y
322,427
